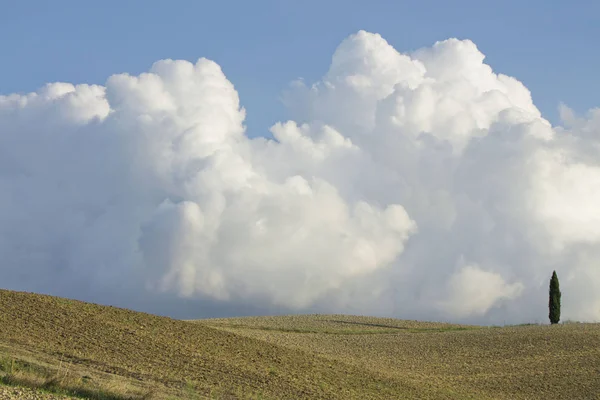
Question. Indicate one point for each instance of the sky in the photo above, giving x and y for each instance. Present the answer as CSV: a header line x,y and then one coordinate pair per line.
x,y
263,45
432,162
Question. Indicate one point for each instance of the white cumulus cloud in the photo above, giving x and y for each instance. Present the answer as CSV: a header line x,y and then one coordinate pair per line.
x,y
473,291
420,185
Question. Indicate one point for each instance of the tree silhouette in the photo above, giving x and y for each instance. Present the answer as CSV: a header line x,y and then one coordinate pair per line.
x,y
554,301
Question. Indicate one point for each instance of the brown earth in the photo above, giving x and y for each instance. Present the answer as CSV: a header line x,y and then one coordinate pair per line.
x,y
516,362
20,393
131,355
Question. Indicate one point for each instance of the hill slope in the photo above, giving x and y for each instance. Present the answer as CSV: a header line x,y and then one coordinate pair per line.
x,y
176,356
329,357
519,362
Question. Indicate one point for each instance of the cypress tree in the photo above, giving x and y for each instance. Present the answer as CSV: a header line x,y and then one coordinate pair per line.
x,y
554,301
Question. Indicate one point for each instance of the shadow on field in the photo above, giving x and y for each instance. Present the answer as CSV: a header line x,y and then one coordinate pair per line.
x,y
367,324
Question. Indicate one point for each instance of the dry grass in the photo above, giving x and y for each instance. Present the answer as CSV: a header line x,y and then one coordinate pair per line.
x,y
27,369
94,351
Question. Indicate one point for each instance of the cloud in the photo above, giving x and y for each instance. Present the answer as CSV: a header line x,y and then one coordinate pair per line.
x,y
473,291
419,185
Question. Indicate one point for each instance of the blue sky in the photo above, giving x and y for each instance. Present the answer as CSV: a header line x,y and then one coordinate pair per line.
x,y
551,46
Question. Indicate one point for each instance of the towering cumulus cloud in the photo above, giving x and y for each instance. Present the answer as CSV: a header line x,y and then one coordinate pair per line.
x,y
416,185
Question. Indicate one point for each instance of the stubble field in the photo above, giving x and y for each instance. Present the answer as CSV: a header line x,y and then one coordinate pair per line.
x,y
109,353
516,362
